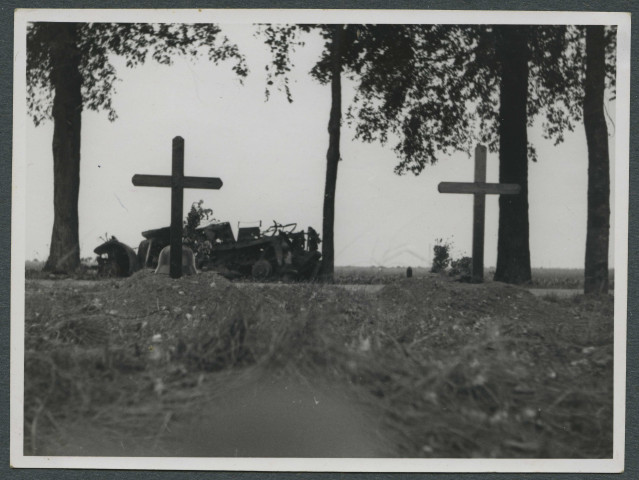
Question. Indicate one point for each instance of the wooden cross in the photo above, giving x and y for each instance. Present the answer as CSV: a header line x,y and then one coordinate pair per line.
x,y
178,182
479,188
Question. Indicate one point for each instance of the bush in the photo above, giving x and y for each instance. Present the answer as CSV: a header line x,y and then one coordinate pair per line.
x,y
462,267
444,262
441,258
191,238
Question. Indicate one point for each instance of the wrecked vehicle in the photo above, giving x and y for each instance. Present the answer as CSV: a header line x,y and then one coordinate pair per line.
x,y
277,252
116,259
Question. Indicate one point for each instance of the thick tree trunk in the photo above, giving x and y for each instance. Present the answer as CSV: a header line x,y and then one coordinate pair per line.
x,y
596,271
332,155
513,251
64,254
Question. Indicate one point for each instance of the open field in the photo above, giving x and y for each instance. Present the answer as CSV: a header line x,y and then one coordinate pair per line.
x,y
559,278
426,367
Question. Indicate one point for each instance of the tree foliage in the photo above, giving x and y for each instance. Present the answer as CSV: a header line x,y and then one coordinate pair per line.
x,y
194,218
414,92
283,40
136,42
434,89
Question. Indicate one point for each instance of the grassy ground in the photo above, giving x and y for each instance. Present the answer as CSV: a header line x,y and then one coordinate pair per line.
x,y
425,368
561,278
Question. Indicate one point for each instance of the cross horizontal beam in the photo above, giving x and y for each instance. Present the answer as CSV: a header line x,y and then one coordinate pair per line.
x,y
211,183
479,187
177,182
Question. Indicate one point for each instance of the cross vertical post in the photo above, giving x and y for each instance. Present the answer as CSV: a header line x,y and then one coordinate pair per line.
x,y
479,215
178,182
177,199
479,188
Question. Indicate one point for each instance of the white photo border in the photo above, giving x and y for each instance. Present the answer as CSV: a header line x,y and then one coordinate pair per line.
x,y
244,16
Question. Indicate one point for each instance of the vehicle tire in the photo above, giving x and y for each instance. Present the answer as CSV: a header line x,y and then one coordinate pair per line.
x,y
261,270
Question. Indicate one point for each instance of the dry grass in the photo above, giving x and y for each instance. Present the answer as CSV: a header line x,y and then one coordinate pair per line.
x,y
425,368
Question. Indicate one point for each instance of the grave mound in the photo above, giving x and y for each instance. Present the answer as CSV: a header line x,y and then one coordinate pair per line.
x,y
127,366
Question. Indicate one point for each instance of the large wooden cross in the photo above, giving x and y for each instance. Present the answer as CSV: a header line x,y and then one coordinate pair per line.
x,y
178,182
479,188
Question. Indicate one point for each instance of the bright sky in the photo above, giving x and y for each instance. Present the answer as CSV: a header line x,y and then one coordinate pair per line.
x,y
271,157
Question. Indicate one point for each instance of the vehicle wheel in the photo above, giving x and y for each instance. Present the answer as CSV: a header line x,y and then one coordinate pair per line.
x,y
261,270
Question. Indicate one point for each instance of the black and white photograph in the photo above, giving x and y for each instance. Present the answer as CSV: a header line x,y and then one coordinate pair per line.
x,y
320,240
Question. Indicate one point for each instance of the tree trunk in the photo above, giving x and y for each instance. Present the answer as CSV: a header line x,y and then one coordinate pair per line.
x,y
596,270
64,253
332,155
513,251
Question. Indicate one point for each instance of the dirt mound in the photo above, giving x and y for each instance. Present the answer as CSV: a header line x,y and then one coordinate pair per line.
x,y
446,369
437,301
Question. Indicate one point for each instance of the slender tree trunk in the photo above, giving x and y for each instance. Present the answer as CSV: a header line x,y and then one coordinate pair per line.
x,y
596,270
513,251
64,253
332,155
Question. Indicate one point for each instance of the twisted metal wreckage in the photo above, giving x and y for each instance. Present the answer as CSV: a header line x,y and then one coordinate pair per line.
x,y
276,252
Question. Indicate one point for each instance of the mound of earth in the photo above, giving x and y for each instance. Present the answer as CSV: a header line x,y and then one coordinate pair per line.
x,y
424,368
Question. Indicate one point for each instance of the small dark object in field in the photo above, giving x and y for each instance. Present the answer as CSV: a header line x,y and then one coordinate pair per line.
x,y
409,272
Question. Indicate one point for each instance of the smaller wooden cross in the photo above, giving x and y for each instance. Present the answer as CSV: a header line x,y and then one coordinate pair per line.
x,y
479,188
178,182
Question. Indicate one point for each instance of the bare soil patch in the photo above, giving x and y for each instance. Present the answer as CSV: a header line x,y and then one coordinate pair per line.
x,y
425,367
